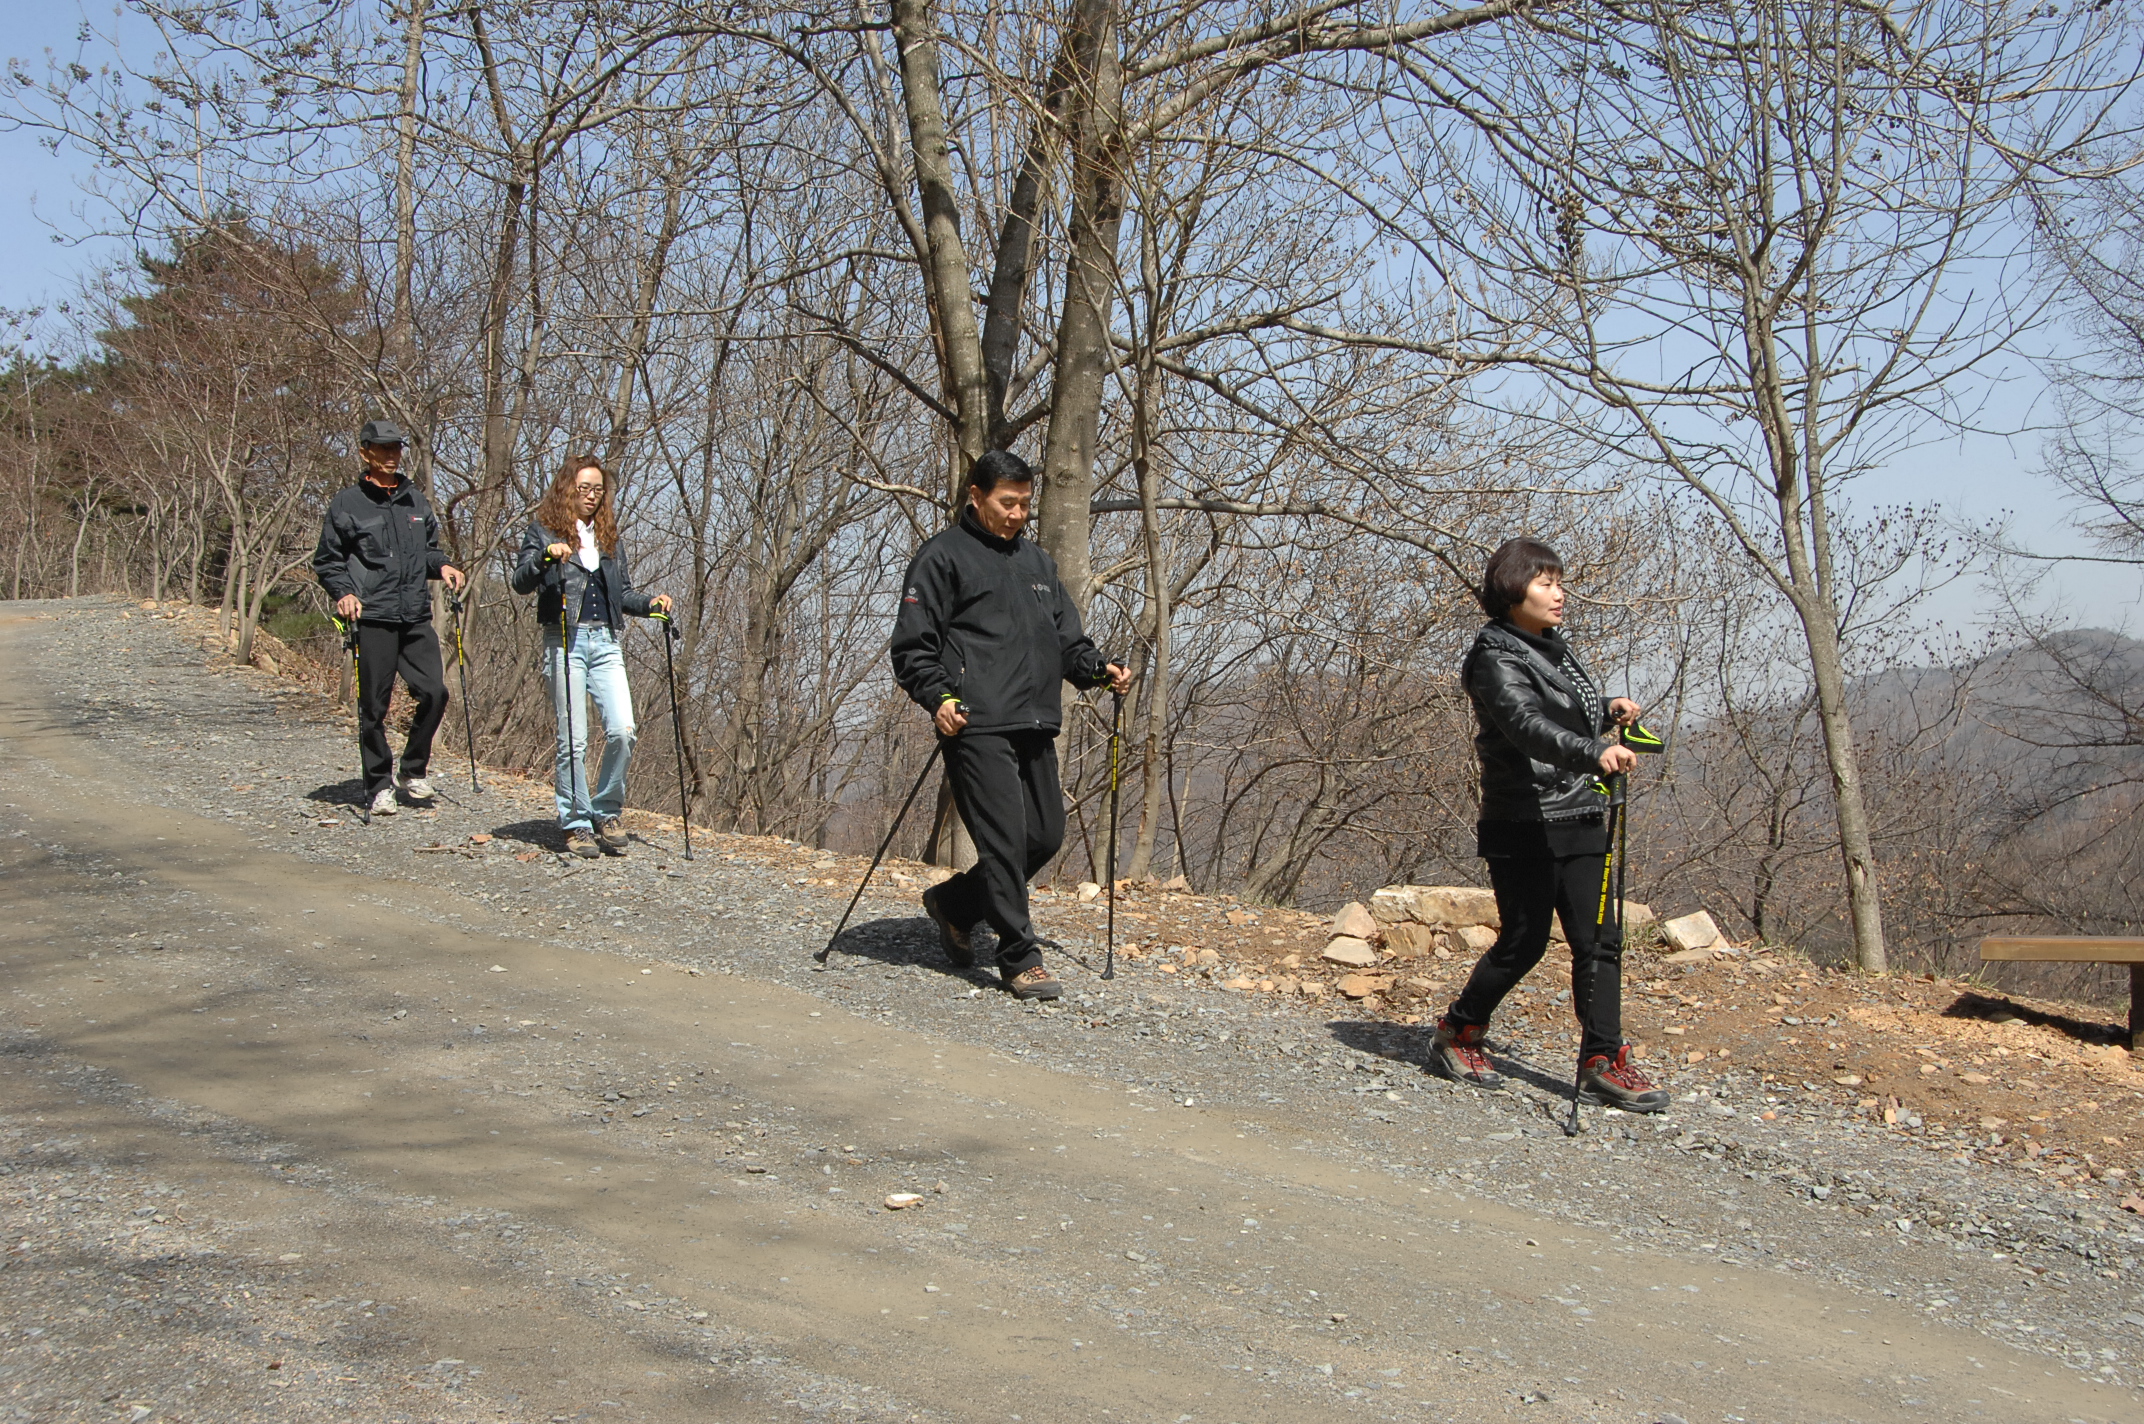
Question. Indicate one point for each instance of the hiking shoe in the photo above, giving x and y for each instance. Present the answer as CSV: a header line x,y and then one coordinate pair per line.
x,y
1617,1082
958,945
1034,982
383,801
1456,1052
610,834
419,788
582,844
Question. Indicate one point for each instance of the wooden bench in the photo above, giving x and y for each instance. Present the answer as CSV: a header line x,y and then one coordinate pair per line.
x,y
2078,949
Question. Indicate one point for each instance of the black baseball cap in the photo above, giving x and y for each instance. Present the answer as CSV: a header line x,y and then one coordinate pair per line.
x,y
381,432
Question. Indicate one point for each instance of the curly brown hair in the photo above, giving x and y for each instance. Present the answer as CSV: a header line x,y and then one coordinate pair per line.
x,y
559,511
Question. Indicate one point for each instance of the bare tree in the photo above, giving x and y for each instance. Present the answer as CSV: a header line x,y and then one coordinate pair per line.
x,y
1774,242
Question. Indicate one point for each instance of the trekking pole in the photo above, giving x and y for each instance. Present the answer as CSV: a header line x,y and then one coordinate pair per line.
x,y
461,667
684,808
937,746
1611,887
1116,740
1615,866
357,696
574,769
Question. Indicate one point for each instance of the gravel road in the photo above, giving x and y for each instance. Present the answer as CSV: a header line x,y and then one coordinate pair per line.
x,y
307,1119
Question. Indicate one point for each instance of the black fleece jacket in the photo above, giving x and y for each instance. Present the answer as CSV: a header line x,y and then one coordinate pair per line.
x,y
383,546
1542,726
986,620
564,581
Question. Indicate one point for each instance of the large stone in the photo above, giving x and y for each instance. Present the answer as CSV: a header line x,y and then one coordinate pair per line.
x,y
1354,918
1362,986
1393,905
1407,939
1692,931
1477,938
1350,950
1445,906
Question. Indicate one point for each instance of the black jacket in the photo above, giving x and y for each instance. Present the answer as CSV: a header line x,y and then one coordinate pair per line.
x,y
564,582
986,620
382,546
1542,727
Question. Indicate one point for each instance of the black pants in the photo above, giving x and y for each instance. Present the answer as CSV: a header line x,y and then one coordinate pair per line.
x,y
1005,785
1528,890
384,650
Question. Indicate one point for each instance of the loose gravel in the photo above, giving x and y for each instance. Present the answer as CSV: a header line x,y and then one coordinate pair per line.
x,y
1751,1174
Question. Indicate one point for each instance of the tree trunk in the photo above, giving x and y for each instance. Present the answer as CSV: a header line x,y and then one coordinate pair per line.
x,y
1155,691
1863,899
946,274
401,327
1084,355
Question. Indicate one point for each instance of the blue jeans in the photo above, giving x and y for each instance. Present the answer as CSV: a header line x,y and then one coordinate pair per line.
x,y
596,665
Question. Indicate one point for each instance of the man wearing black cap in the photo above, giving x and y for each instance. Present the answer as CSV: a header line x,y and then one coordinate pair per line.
x,y
985,635
379,550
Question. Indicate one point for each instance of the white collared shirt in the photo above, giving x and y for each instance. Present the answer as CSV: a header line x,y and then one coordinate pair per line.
x,y
591,557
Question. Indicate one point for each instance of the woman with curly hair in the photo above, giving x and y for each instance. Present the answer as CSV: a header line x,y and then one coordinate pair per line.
x,y
572,559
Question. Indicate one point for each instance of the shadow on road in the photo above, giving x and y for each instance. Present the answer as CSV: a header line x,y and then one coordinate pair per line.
x,y
339,793
1409,1044
910,939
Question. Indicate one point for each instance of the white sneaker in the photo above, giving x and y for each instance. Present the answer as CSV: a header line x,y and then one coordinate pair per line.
x,y
383,802
418,788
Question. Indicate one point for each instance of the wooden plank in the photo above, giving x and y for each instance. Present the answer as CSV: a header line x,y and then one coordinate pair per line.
x,y
2062,949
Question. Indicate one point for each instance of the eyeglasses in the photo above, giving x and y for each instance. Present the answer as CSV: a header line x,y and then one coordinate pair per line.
x,y
588,489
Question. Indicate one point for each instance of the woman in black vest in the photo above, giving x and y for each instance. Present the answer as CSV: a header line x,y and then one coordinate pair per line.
x,y
1544,742
572,553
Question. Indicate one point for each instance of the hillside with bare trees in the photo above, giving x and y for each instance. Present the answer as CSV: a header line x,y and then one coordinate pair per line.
x,y
1298,310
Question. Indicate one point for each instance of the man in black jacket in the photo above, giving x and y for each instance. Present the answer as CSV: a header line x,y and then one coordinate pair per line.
x,y
985,634
378,552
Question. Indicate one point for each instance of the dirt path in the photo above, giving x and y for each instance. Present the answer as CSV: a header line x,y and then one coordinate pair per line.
x,y
253,1098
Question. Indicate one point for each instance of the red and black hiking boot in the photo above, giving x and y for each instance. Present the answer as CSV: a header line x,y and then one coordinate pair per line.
x,y
1618,1083
959,948
1456,1052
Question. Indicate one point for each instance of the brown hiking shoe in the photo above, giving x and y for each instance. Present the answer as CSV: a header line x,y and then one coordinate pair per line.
x,y
582,844
610,835
1034,983
958,945
1617,1082
1456,1052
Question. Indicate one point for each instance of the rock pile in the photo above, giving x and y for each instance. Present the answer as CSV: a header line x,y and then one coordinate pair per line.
x,y
1404,923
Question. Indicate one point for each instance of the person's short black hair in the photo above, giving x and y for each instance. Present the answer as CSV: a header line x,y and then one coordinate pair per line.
x,y
997,467
1512,569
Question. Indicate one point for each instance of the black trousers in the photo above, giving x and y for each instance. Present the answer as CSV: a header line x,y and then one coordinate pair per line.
x,y
1528,890
1005,784
412,651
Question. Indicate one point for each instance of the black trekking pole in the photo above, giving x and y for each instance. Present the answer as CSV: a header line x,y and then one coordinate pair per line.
x,y
1614,868
1608,916
1116,741
937,746
565,692
684,808
357,697
461,667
